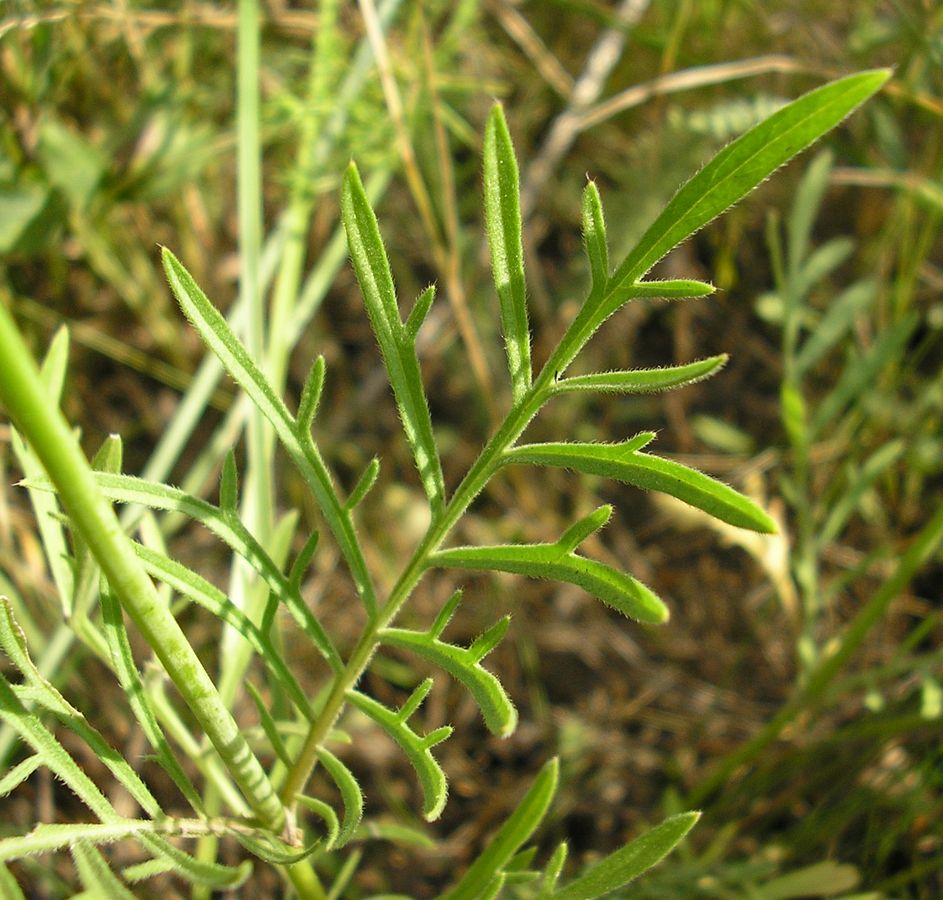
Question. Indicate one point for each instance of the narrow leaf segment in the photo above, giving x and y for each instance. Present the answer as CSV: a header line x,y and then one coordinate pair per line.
x,y
644,381
464,665
617,589
294,435
503,223
631,466
396,340
745,163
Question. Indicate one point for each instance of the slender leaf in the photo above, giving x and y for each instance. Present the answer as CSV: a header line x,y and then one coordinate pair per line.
x,y
622,592
728,177
351,795
133,687
812,188
636,857
9,888
417,315
229,485
45,505
673,289
327,814
128,489
860,373
503,223
652,473
552,871
196,588
860,476
366,481
35,733
518,828
397,348
643,381
821,262
311,396
19,773
745,163
594,239
269,725
113,827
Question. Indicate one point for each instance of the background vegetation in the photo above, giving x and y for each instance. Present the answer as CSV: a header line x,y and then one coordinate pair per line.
x,y
117,135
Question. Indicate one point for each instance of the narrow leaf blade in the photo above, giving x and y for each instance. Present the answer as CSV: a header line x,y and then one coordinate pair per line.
x,y
431,776
397,348
594,238
651,473
632,860
644,381
745,163
503,224
496,707
619,590
351,795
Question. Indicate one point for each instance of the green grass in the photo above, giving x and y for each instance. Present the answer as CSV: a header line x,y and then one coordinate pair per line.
x,y
794,696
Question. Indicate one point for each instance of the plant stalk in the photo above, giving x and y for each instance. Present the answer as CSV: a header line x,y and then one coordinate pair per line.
x,y
56,446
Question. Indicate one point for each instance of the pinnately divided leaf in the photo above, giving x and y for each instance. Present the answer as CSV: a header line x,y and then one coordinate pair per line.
x,y
396,341
503,223
617,589
643,470
728,177
417,748
464,665
295,436
128,489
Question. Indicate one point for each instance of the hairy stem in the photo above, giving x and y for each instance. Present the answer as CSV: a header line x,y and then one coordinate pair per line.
x,y
44,426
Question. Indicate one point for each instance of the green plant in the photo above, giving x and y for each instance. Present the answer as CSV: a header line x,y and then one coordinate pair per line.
x,y
257,780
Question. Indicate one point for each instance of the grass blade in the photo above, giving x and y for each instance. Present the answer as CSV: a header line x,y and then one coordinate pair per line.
x,y
503,222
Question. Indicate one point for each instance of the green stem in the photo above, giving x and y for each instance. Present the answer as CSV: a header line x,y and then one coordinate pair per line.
x,y
41,422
